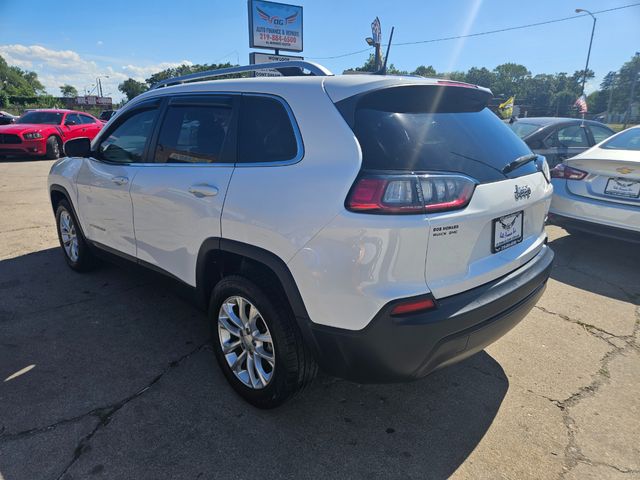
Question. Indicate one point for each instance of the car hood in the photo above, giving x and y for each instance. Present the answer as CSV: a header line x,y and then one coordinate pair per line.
x,y
16,128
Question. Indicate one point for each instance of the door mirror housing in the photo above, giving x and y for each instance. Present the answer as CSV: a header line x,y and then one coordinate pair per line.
x,y
78,147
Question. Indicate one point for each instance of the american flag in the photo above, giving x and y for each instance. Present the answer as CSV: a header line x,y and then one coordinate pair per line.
x,y
581,104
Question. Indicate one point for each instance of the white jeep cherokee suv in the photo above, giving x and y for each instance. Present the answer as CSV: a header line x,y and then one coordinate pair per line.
x,y
378,227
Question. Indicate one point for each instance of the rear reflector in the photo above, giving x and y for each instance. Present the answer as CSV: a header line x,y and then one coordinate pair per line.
x,y
564,171
410,193
413,306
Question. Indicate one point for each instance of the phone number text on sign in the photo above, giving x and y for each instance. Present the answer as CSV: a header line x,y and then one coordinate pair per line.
x,y
289,40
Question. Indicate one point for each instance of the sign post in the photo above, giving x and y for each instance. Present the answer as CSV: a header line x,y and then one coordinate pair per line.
x,y
276,26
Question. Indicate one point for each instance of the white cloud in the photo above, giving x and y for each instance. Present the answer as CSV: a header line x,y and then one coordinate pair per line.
x,y
99,43
59,67
140,73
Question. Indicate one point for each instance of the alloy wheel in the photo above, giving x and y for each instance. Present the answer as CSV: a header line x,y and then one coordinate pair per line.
x,y
69,236
246,342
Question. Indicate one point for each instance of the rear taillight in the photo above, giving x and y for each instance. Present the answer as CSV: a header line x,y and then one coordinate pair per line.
x,y
410,193
564,171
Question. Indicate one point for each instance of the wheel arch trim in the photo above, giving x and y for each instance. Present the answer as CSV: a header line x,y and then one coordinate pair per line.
x,y
257,254
65,193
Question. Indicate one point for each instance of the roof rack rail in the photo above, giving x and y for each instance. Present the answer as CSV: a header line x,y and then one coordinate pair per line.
x,y
284,67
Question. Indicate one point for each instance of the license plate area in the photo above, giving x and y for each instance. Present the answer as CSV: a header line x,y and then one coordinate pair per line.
x,y
507,231
620,187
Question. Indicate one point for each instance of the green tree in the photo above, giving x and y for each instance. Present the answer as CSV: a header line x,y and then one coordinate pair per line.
x,y
132,88
187,69
68,91
4,99
509,79
425,71
480,76
597,101
16,81
622,89
370,66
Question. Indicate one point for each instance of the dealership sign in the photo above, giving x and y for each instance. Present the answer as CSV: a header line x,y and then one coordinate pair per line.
x,y
256,58
93,100
275,25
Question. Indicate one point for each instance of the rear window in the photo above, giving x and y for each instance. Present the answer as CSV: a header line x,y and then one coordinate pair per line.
x,y
627,140
523,129
427,128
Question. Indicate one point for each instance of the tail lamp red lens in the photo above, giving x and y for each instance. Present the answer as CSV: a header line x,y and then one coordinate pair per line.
x,y
413,306
569,173
410,193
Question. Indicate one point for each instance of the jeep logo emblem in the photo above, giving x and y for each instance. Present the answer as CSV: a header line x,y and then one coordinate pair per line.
x,y
522,192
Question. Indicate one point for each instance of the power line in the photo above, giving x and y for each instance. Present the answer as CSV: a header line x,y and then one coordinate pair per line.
x,y
489,32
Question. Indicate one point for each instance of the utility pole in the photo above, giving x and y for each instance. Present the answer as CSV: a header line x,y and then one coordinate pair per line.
x,y
633,89
99,84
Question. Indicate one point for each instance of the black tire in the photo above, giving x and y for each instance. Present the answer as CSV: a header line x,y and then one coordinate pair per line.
x,y
295,366
53,148
85,259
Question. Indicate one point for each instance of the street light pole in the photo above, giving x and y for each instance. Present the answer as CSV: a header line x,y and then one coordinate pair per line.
x,y
593,29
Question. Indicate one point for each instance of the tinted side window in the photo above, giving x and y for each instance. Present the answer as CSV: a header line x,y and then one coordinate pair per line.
x,y
126,143
73,117
571,136
193,134
266,133
86,119
599,133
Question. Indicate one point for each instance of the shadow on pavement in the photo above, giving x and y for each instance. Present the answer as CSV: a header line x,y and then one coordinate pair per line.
x,y
96,341
599,265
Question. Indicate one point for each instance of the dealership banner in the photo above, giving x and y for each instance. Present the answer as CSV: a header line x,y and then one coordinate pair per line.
x,y
275,25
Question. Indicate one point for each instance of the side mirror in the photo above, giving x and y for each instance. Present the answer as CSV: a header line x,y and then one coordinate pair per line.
x,y
78,147
69,123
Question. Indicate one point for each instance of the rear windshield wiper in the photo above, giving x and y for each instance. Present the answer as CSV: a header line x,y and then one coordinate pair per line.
x,y
518,162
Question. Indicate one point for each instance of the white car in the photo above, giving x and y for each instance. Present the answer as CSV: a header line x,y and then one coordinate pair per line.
x,y
598,191
378,227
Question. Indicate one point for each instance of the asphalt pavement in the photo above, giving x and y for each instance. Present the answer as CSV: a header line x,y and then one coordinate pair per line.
x,y
110,375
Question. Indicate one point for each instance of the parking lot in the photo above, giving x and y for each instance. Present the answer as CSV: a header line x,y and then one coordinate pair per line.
x,y
109,375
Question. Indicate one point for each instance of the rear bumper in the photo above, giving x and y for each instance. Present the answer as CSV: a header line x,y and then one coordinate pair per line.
x,y
594,228
607,217
393,349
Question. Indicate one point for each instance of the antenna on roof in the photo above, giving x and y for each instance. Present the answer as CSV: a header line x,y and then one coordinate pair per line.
x,y
383,70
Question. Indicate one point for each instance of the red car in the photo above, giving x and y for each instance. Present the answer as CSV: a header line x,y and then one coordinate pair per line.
x,y
44,132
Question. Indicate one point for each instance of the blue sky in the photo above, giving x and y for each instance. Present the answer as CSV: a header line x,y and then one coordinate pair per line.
x,y
73,41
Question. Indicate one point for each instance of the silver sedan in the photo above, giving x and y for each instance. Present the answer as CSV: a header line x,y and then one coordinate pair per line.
x,y
598,191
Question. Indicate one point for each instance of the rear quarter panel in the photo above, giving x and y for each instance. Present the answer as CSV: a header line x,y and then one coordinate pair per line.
x,y
280,208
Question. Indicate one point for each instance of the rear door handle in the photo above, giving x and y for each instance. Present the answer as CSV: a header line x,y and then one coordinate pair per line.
x,y
120,180
203,190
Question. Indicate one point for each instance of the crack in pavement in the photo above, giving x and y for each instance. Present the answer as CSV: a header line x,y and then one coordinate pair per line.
x,y
573,453
104,414
592,329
